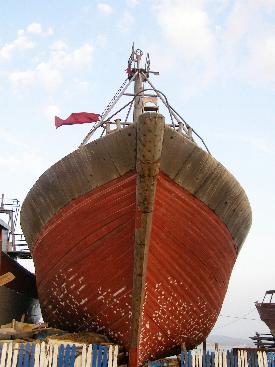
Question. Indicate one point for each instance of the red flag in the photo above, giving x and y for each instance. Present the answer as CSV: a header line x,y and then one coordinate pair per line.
x,y
77,118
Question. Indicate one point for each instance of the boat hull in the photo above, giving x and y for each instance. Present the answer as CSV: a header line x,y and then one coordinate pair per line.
x,y
267,315
143,229
18,297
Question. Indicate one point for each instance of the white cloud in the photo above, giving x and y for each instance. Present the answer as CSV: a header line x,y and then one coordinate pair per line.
x,y
10,138
186,25
50,72
59,45
132,3
208,43
18,78
20,32
83,55
34,28
188,44
249,45
48,75
51,111
20,43
21,162
102,39
126,21
49,32
105,8
262,59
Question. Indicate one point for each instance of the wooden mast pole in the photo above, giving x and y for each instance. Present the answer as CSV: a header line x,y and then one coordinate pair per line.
x,y
138,87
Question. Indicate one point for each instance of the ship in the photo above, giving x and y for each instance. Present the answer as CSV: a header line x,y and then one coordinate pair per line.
x,y
18,294
266,310
135,234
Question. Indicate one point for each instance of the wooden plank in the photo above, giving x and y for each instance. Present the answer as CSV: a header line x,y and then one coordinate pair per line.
x,y
21,355
32,356
224,359
110,356
49,355
9,355
182,362
99,355
245,359
207,359
67,355
115,356
216,358
193,359
15,354
83,355
60,356
3,355
220,358
94,356
55,355
6,278
265,363
27,355
200,354
212,362
37,356
89,357
42,355
73,355
260,359
105,355
228,358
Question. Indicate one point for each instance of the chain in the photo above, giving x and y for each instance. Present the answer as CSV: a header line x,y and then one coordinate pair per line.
x,y
115,97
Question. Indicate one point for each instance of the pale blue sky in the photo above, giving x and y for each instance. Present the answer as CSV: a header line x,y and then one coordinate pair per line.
x,y
217,67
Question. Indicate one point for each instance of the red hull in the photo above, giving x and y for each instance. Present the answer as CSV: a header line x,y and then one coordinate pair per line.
x,y
87,281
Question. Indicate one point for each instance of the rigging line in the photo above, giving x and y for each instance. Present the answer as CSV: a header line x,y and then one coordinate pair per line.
x,y
121,109
236,320
114,97
132,100
201,139
146,79
100,123
158,91
187,125
239,318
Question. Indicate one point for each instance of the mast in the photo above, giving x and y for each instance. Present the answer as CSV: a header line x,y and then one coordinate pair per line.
x,y
138,86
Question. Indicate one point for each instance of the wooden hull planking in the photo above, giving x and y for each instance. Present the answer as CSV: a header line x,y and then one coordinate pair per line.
x,y
135,235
